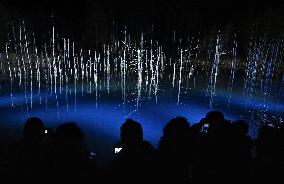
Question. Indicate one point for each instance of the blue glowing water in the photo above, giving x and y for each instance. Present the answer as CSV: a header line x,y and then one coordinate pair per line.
x,y
101,125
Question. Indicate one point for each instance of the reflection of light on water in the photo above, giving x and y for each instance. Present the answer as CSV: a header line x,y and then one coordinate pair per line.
x,y
140,69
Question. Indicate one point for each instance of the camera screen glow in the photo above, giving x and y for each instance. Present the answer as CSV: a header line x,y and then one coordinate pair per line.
x,y
117,150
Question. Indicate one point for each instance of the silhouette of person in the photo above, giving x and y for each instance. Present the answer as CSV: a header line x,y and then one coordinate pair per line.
x,y
174,151
133,163
213,150
241,146
269,162
33,130
27,157
69,155
217,123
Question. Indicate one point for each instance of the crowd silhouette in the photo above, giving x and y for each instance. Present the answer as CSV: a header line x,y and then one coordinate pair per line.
x,y
212,150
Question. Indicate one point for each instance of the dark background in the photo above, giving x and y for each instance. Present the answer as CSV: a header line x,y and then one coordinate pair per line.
x,y
91,22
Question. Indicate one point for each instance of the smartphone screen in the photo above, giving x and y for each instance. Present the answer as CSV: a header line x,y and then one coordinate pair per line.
x,y
206,125
117,150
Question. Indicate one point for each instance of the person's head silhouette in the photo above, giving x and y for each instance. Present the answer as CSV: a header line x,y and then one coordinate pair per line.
x,y
215,116
33,129
176,127
131,132
216,121
69,132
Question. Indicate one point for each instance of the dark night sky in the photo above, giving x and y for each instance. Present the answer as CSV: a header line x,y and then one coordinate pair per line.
x,y
122,9
182,15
